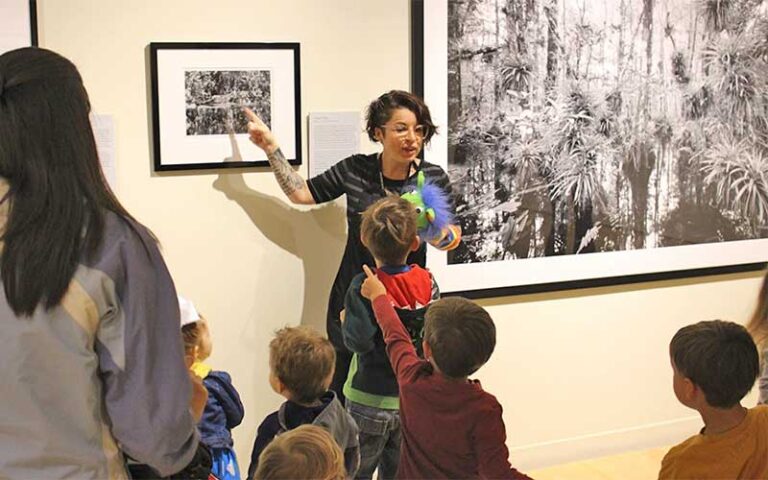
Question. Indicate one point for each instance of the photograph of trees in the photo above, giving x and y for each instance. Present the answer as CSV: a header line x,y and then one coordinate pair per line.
x,y
215,99
579,126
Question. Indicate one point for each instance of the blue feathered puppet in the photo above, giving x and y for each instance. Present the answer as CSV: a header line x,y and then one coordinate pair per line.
x,y
435,220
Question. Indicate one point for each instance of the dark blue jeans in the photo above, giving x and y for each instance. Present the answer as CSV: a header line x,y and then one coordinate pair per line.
x,y
379,440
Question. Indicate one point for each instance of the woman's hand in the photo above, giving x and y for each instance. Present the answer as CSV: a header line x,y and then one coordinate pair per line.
x,y
448,239
291,183
259,133
372,288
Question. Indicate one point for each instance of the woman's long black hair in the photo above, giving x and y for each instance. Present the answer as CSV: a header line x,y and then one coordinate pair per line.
x,y
58,194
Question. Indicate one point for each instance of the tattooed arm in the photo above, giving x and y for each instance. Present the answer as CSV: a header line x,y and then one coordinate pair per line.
x,y
294,187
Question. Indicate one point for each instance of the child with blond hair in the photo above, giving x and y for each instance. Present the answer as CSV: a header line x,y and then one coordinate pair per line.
x,y
223,409
307,452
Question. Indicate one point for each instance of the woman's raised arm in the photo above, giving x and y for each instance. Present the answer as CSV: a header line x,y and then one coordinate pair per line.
x,y
294,187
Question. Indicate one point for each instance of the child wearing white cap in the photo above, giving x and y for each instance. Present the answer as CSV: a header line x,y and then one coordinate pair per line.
x,y
224,410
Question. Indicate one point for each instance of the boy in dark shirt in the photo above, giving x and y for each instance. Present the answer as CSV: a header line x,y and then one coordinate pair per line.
x,y
301,368
451,427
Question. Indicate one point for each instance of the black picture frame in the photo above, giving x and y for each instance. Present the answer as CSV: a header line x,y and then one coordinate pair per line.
x,y
419,11
33,23
178,136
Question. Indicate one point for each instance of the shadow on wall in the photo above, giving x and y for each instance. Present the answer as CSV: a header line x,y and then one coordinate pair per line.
x,y
316,236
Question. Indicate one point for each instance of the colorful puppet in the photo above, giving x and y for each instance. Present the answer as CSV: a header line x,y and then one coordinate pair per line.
x,y
435,220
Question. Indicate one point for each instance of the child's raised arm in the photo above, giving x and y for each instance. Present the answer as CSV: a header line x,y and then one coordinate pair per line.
x,y
401,352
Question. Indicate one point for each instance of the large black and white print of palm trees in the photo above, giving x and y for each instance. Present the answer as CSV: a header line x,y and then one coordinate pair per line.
x,y
581,126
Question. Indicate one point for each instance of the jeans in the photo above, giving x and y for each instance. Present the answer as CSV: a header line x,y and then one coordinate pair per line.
x,y
379,440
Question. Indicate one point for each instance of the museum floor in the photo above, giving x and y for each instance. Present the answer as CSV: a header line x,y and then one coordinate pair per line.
x,y
641,465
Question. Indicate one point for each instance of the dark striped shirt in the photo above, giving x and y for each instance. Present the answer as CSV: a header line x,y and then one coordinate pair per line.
x,y
359,178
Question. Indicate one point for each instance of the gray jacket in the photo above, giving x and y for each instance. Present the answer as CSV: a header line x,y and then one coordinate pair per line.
x,y
100,375
342,427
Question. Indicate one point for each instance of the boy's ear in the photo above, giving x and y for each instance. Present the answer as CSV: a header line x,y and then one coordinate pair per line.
x,y
690,390
426,349
327,382
281,388
189,359
415,243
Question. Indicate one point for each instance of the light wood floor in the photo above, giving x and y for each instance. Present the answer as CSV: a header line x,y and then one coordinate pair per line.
x,y
643,465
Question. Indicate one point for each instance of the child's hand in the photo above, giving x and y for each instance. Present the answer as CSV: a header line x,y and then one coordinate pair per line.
x,y
199,396
342,315
259,132
199,392
372,287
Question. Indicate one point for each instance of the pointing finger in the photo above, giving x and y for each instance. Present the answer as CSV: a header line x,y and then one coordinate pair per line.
x,y
368,272
252,117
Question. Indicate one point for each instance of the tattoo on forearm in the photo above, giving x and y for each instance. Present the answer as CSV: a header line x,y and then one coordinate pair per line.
x,y
287,178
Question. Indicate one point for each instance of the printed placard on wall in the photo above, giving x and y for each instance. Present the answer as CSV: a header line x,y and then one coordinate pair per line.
x,y
18,24
200,91
593,144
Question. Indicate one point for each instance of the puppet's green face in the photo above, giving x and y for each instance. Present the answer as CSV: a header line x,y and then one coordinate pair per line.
x,y
422,212
432,207
425,215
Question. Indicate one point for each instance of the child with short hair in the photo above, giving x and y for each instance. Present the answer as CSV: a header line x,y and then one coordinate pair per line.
x,y
301,364
307,452
223,409
714,365
388,230
452,428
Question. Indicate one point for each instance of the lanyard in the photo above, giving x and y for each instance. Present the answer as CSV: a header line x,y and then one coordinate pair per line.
x,y
413,165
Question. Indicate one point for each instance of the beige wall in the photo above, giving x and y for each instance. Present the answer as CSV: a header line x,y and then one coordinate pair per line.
x,y
580,374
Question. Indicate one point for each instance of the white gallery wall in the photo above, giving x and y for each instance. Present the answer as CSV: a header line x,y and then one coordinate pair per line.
x,y
580,374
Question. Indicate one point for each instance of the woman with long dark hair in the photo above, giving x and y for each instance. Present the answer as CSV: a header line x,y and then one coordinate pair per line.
x,y
92,360
758,328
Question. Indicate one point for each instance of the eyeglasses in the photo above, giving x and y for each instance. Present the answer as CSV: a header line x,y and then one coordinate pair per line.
x,y
400,130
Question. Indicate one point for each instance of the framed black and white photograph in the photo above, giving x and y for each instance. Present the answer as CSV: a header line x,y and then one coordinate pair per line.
x,y
200,91
18,24
597,142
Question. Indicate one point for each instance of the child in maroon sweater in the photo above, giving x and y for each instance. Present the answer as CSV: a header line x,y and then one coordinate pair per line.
x,y
451,427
